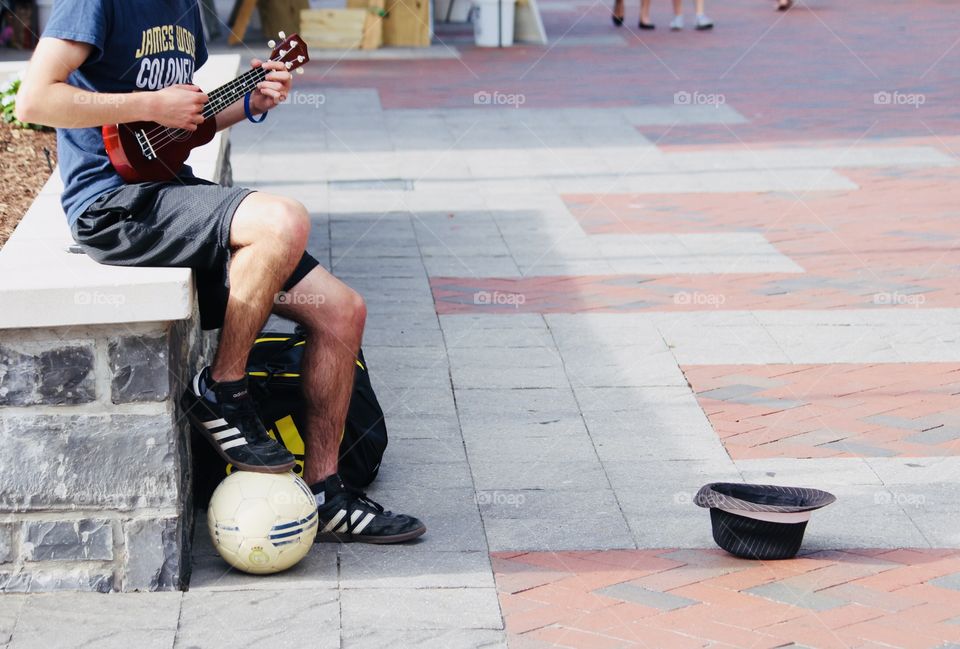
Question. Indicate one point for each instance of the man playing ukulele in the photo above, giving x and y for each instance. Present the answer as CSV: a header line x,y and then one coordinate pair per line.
x,y
104,62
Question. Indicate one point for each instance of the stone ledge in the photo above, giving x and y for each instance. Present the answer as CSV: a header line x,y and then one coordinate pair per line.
x,y
95,465
47,286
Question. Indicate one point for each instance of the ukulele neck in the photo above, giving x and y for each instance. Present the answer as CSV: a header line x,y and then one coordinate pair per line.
x,y
230,93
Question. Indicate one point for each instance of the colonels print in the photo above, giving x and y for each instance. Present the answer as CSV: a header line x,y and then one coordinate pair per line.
x,y
157,67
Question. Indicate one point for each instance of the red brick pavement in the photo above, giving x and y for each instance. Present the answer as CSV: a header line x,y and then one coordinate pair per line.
x,y
838,410
891,243
811,72
701,598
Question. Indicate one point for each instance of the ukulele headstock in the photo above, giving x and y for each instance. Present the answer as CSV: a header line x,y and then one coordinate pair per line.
x,y
291,51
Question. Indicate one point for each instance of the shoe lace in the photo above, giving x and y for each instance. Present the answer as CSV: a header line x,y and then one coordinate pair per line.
x,y
252,426
356,494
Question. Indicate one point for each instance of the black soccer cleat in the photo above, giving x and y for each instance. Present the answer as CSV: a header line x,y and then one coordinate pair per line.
x,y
349,515
235,431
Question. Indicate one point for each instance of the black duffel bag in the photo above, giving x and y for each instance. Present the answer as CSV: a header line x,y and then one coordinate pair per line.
x,y
273,371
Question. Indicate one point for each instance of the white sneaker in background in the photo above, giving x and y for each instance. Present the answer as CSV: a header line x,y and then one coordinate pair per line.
x,y
704,22
676,24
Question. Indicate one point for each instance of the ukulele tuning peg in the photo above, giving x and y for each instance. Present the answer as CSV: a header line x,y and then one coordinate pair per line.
x,y
283,53
300,70
289,65
271,44
283,36
300,59
294,43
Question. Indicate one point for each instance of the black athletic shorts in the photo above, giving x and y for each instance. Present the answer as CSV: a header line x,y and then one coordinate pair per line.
x,y
185,224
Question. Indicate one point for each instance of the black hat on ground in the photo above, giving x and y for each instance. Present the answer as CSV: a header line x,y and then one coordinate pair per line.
x,y
760,521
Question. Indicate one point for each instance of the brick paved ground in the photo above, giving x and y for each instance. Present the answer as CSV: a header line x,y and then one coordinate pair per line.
x,y
668,259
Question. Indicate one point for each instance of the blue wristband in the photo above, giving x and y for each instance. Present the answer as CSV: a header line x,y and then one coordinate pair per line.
x,y
246,109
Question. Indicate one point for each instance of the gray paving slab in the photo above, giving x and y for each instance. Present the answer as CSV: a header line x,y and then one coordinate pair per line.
x,y
425,608
363,566
671,481
662,400
541,503
511,334
654,426
415,426
407,452
10,606
629,592
402,331
454,324
414,399
934,436
822,472
858,448
260,618
864,517
500,427
631,366
800,597
451,516
407,358
316,571
373,638
458,265
516,402
558,534
535,367
647,444
399,379
86,619
702,344
915,470
483,449
349,268
441,475
660,523
516,474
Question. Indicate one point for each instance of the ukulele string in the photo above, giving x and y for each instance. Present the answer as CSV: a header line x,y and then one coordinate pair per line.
x,y
218,101
218,96
168,135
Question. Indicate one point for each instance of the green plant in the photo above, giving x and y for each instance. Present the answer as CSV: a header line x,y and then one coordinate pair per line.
x,y
8,102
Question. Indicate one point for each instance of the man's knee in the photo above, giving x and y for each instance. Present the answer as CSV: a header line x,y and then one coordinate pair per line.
x,y
290,224
343,315
281,224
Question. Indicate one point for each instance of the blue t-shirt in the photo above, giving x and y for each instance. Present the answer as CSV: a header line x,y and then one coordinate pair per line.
x,y
138,45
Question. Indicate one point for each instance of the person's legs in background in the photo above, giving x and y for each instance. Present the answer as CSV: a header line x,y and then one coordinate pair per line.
x,y
645,15
677,23
703,21
618,13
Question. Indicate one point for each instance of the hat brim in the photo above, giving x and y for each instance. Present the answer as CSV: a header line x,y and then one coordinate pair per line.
x,y
750,500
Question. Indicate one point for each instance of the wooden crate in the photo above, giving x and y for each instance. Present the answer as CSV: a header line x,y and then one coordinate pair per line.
x,y
281,15
407,23
373,27
340,29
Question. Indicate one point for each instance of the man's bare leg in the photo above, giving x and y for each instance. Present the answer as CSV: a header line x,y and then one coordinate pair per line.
x,y
268,237
334,316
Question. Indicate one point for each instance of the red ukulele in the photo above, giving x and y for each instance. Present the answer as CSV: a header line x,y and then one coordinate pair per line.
x,y
150,152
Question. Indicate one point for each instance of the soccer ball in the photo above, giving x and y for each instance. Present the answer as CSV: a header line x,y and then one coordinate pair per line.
x,y
262,523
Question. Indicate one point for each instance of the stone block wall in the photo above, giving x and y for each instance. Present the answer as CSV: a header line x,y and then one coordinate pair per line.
x,y
95,457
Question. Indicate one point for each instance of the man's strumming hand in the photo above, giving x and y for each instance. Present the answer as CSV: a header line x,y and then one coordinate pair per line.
x,y
272,91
